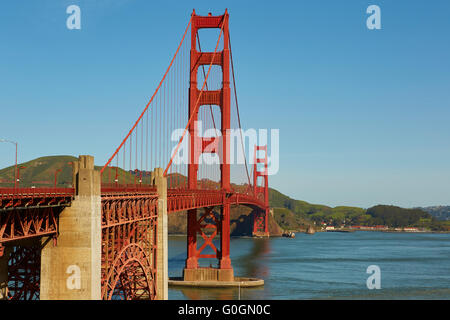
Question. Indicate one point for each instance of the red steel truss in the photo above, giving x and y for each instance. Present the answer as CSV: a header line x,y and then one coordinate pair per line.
x,y
24,223
129,237
24,269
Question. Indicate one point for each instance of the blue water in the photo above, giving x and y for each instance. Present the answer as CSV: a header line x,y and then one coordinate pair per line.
x,y
331,265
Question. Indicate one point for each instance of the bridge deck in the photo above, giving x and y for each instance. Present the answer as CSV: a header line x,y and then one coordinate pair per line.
x,y
33,212
25,198
178,199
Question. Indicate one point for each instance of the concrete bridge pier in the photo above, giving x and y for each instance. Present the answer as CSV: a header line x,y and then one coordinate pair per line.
x,y
71,265
162,241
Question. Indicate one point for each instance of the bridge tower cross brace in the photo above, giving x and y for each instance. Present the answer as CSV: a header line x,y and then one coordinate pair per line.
x,y
220,98
260,217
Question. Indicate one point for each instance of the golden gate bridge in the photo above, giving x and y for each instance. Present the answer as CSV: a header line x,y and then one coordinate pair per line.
x,y
112,224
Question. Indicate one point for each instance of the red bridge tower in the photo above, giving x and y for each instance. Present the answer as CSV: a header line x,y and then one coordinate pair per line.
x,y
221,98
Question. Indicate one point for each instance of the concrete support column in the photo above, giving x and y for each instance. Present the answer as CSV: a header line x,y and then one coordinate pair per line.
x,y
4,274
71,266
162,270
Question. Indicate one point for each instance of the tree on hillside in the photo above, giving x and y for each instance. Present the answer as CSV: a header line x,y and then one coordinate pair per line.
x,y
395,216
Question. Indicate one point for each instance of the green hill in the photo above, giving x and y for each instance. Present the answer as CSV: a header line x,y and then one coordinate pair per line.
x,y
297,215
293,214
40,172
401,217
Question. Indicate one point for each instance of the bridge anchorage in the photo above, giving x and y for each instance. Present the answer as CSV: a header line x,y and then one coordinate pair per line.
x,y
106,238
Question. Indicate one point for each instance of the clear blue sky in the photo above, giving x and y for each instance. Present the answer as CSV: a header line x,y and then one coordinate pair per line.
x,y
363,115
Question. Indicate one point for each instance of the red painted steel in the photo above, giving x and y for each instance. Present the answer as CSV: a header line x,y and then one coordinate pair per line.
x,y
28,223
34,197
260,218
31,212
27,214
222,99
127,189
24,272
129,237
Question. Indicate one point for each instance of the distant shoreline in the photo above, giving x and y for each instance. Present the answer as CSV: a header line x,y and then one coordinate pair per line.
x,y
386,231
336,231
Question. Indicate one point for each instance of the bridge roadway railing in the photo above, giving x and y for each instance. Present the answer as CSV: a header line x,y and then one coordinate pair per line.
x,y
14,198
182,199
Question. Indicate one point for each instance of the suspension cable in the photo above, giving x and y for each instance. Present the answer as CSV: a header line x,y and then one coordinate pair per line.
x,y
151,99
196,104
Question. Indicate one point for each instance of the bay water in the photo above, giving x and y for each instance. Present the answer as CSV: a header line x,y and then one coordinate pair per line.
x,y
330,265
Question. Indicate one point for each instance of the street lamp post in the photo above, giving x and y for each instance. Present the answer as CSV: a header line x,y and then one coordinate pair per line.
x,y
116,177
18,176
15,165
